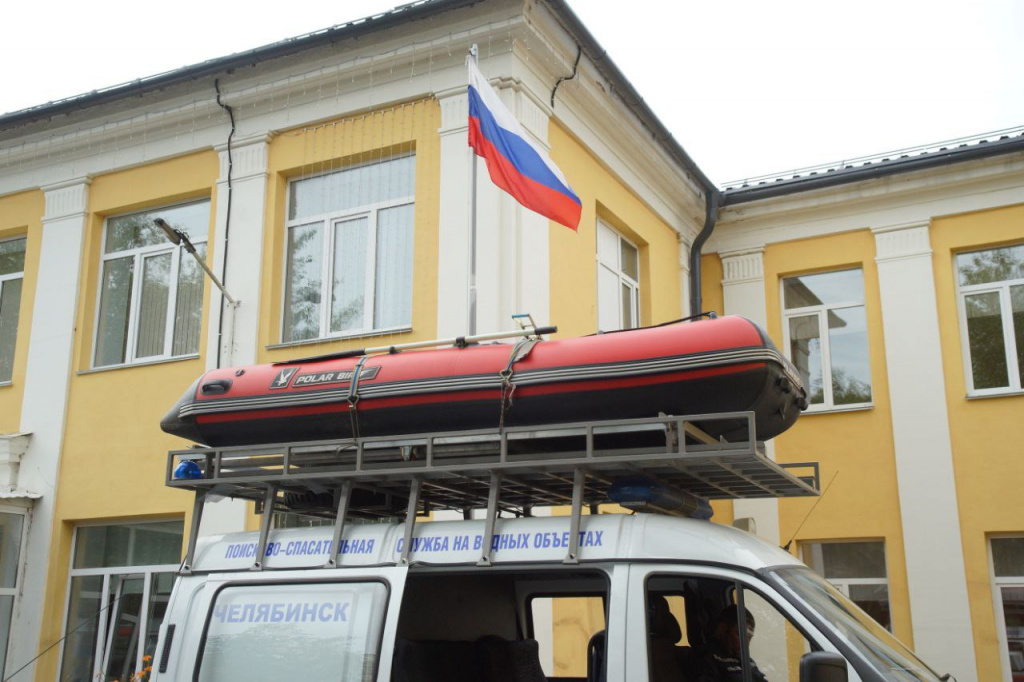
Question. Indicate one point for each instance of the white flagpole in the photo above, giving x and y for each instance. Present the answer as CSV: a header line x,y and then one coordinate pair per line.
x,y
472,226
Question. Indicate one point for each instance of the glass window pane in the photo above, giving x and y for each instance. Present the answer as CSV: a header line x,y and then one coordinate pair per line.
x,y
776,646
985,338
83,621
11,526
124,637
138,230
629,260
116,296
846,286
393,289
992,265
129,544
843,560
302,295
6,608
609,307
159,595
874,599
1017,306
151,324
1013,619
188,308
351,188
805,353
10,307
348,296
607,245
12,256
848,345
568,623
292,632
1008,557
627,307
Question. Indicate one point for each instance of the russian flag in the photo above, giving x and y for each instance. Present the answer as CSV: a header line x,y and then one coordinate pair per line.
x,y
516,164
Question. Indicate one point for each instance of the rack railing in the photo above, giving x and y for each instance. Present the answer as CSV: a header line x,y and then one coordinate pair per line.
x,y
508,471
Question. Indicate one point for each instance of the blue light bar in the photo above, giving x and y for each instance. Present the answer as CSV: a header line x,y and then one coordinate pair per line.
x,y
646,494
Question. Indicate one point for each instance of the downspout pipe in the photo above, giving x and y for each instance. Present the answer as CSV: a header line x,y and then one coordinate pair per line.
x,y
712,200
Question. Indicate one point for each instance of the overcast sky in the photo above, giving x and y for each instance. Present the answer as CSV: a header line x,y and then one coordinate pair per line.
x,y
748,87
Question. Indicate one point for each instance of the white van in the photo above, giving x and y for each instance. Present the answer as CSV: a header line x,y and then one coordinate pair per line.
x,y
609,597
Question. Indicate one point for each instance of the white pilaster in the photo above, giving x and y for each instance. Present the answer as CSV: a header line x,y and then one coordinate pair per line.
x,y
239,243
512,242
44,406
939,606
744,294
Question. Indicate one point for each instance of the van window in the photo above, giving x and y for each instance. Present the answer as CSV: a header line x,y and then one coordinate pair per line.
x,y
694,633
569,623
313,631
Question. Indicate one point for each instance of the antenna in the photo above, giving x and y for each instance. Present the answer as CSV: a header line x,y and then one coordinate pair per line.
x,y
825,492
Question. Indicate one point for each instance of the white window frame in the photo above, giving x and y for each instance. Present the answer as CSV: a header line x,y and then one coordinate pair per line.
x,y
140,255
843,584
624,280
999,582
328,223
822,312
19,572
10,277
105,614
1002,288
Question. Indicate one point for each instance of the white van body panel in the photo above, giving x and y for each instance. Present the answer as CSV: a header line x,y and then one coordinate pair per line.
x,y
606,537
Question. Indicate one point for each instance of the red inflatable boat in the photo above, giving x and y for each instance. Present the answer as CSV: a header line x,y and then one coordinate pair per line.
x,y
719,365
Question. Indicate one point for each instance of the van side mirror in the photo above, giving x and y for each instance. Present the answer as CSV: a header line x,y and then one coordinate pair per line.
x,y
823,666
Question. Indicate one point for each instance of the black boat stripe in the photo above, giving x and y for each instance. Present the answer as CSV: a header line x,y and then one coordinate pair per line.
x,y
492,381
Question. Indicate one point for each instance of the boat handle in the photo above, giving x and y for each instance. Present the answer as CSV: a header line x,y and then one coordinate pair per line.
x,y
218,386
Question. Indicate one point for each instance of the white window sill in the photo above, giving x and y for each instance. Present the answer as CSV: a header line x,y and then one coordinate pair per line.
x,y
6,383
141,363
330,339
840,408
1000,393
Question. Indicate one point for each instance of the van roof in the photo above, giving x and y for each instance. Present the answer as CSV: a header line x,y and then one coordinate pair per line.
x,y
607,537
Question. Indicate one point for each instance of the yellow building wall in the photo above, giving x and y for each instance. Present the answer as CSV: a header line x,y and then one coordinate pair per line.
x,y
574,254
21,216
855,449
114,454
986,433
335,145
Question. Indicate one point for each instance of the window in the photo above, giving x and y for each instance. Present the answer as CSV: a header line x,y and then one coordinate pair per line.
x,y
151,292
12,264
121,579
826,334
349,251
991,285
12,528
311,631
1008,569
566,626
857,569
618,281
694,632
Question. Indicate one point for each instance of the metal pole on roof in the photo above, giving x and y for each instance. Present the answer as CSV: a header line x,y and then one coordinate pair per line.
x,y
473,52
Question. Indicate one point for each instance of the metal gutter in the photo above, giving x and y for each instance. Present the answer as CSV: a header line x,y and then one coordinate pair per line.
x,y
872,171
710,219
353,29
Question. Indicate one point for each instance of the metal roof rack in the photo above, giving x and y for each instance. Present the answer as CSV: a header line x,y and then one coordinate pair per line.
x,y
507,470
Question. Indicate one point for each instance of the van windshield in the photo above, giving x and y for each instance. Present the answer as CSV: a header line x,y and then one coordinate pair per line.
x,y
876,645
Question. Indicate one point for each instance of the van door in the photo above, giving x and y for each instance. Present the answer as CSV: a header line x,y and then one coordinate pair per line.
x,y
312,624
683,623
